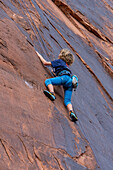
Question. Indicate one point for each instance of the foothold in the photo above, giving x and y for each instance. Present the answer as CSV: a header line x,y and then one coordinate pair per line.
x,y
28,84
90,121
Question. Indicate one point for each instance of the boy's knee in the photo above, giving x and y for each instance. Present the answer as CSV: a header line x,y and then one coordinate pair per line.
x,y
66,102
47,82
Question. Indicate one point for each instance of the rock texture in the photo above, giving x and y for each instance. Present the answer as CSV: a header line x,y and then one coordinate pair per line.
x,y
36,133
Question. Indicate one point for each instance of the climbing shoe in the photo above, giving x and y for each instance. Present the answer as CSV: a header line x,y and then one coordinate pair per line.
x,y
73,116
50,95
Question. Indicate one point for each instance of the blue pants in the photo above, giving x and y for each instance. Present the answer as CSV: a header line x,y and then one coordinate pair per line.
x,y
66,81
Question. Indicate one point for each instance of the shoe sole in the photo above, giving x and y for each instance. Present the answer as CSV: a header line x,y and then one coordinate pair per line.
x,y
73,118
48,94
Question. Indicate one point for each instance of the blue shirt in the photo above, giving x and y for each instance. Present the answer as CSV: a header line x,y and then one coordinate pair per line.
x,y
59,65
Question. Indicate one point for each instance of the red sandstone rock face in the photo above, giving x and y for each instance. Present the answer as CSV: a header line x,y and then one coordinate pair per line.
x,y
36,133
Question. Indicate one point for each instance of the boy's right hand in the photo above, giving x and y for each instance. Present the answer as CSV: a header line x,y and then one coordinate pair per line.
x,y
47,63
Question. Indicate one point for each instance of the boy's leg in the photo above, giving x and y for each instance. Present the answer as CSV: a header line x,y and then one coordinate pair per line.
x,y
53,81
67,98
69,107
50,87
49,83
67,102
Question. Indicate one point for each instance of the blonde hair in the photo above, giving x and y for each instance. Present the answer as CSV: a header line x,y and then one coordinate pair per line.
x,y
66,56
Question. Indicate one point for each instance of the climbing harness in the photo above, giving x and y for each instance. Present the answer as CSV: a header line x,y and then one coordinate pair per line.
x,y
64,72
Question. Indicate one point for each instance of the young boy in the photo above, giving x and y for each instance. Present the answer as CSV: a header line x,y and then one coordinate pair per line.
x,y
63,77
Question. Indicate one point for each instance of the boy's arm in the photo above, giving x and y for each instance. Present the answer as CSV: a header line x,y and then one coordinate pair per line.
x,y
47,63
